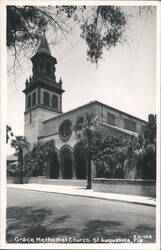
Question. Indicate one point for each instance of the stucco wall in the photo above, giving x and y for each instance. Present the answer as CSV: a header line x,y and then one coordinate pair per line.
x,y
51,127
59,143
120,117
110,130
33,123
130,187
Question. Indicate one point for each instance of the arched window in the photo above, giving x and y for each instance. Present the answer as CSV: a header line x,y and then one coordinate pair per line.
x,y
29,102
46,99
48,69
54,102
34,99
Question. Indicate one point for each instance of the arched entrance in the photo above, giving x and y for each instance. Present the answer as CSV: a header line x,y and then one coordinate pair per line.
x,y
80,161
54,166
66,158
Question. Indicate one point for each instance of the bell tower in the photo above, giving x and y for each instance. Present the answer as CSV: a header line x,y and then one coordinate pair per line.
x,y
43,94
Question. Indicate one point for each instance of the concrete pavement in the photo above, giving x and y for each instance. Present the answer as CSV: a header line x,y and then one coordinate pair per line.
x,y
88,193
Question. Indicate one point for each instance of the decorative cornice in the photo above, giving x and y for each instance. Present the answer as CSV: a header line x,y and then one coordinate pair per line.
x,y
44,136
43,107
43,84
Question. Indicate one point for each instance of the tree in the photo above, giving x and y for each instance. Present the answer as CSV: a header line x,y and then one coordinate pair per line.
x,y
102,27
104,149
109,153
147,159
119,156
150,130
35,159
148,162
114,156
20,144
131,146
83,128
9,133
104,30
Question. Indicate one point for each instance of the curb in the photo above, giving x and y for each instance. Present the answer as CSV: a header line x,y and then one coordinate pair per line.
x,y
90,197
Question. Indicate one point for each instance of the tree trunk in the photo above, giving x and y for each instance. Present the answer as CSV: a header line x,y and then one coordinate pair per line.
x,y
20,160
89,177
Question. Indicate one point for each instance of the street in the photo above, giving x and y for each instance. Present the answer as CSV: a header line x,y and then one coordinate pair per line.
x,y
37,217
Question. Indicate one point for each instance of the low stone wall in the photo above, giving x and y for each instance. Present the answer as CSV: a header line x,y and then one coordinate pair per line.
x,y
38,179
122,186
16,180
44,180
10,180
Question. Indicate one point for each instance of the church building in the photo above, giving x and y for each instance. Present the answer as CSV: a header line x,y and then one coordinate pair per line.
x,y
45,120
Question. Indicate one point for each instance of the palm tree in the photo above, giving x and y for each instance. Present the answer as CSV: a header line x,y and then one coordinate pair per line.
x,y
36,158
20,144
133,150
9,133
83,127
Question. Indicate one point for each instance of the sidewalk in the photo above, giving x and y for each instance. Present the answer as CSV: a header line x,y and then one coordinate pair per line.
x,y
88,193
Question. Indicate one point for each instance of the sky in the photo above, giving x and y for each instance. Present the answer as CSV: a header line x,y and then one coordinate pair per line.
x,y
125,79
